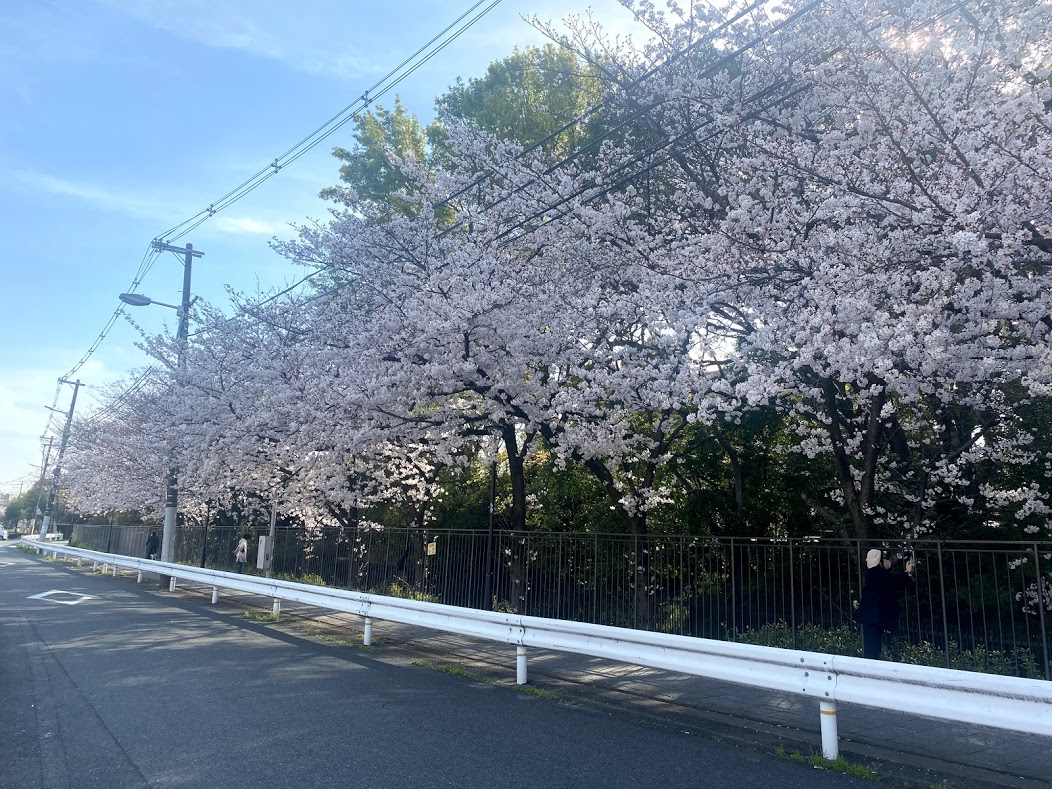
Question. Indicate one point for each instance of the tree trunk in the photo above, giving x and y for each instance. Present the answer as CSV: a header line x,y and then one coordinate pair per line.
x,y
517,570
517,477
858,492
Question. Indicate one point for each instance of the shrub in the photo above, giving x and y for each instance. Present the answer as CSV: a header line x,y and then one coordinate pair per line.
x,y
810,638
307,578
399,588
848,641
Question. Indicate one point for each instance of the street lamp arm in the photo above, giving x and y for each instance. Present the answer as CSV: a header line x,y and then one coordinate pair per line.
x,y
138,300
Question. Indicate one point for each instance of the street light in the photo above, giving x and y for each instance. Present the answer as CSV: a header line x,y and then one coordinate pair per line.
x,y
138,300
171,499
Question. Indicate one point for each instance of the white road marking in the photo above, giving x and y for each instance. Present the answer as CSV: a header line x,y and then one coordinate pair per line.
x,y
74,597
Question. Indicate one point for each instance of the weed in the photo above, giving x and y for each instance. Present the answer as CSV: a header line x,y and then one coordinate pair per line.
x,y
793,756
460,671
842,765
540,693
502,606
259,616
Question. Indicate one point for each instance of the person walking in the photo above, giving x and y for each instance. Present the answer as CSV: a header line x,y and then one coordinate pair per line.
x,y
241,553
878,610
152,546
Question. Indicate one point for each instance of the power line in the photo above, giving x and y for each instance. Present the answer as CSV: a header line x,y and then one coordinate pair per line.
x,y
376,91
793,89
674,57
380,88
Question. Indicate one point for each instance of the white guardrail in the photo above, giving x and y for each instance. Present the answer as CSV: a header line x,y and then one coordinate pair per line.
x,y
1012,703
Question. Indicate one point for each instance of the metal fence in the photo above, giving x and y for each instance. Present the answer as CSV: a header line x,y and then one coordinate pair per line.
x,y
974,605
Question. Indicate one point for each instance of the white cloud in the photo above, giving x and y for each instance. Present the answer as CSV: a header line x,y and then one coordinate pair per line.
x,y
25,391
305,37
136,205
246,225
357,40
23,395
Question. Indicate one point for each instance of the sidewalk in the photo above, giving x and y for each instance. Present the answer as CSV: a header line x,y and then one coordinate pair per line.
x,y
752,716
905,750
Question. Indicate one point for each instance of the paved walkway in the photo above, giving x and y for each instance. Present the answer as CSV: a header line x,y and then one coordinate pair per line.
x,y
761,717
906,749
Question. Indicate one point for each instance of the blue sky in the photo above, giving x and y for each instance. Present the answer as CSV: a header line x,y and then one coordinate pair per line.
x,y
121,118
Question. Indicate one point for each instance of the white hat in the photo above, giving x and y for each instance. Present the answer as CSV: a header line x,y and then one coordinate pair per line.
x,y
873,558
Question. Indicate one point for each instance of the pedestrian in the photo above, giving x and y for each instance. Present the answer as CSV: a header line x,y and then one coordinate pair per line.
x,y
878,610
152,546
241,553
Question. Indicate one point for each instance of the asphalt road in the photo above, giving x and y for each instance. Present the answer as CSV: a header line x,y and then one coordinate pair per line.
x,y
128,688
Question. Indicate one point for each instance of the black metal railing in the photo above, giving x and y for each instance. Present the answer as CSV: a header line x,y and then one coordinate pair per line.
x,y
974,605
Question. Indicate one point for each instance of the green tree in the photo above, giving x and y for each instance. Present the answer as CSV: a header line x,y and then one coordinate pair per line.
x,y
378,185
23,506
529,97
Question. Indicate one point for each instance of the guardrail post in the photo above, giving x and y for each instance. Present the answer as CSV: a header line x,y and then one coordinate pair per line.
x,y
367,637
78,562
114,571
138,578
830,746
171,583
215,595
94,566
520,665
276,610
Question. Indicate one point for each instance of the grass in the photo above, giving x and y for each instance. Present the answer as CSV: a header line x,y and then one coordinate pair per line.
x,y
460,671
340,641
793,756
839,764
842,765
541,693
259,616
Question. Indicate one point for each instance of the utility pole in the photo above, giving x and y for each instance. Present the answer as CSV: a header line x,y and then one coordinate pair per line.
x,y
58,463
40,490
171,499
268,564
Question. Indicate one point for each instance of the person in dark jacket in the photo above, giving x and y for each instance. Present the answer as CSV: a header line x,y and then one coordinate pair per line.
x,y
878,610
152,546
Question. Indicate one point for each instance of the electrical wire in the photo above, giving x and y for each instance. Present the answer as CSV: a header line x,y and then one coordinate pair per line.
x,y
381,87
379,90
376,91
795,89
